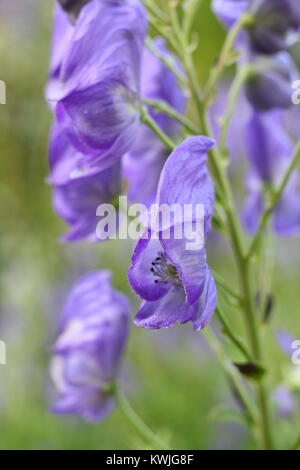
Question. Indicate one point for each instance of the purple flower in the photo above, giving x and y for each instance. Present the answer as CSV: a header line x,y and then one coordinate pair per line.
x,y
285,401
62,34
143,164
175,282
269,153
272,21
99,74
76,195
285,341
270,84
87,354
229,11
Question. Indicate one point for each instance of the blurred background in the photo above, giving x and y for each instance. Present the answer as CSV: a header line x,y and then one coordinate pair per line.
x,y
171,377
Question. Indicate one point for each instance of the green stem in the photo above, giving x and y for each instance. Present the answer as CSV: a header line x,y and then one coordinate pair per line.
x,y
234,92
244,21
226,288
233,375
162,107
147,119
167,60
223,186
235,339
136,421
274,200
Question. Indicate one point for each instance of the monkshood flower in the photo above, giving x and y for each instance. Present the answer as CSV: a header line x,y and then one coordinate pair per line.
x,y
269,84
273,20
143,164
269,152
87,354
99,75
175,282
76,195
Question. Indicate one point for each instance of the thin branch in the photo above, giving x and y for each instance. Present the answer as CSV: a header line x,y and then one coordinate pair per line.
x,y
274,200
163,107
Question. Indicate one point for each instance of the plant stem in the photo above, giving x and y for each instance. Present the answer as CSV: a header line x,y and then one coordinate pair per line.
x,y
243,21
217,166
274,200
233,376
223,284
147,119
222,182
235,339
167,60
137,422
163,107
234,92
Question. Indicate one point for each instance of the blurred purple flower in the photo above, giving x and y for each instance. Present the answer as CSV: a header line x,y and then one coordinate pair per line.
x,y
87,354
99,79
61,38
176,283
273,21
285,341
143,164
229,11
269,86
285,401
269,152
76,195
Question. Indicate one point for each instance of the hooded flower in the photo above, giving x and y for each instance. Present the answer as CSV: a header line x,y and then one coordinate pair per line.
x,y
269,86
174,281
269,153
143,164
97,100
273,20
76,195
88,351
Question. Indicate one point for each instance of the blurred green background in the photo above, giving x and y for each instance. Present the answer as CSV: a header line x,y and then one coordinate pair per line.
x,y
171,378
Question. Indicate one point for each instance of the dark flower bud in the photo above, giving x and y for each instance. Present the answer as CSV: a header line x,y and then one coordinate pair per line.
x,y
269,86
274,19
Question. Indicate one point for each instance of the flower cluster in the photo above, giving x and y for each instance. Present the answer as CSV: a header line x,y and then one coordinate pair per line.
x,y
102,78
94,90
271,27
